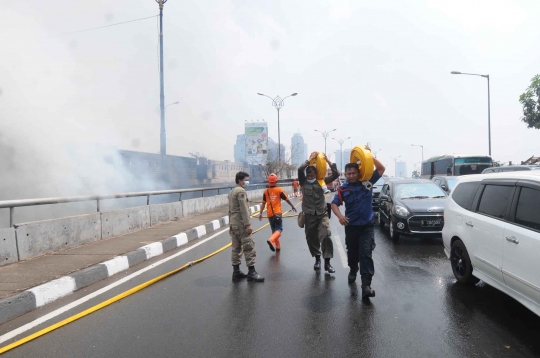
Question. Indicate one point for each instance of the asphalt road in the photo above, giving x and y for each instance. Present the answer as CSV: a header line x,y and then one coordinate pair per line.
x,y
419,310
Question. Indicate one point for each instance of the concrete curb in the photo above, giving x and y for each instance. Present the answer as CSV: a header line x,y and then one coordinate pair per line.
x,y
35,297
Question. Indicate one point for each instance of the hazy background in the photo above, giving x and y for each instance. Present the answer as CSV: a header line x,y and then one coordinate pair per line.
x,y
376,71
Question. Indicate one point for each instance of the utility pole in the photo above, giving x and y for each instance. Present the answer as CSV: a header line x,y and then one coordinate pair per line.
x,y
325,135
163,137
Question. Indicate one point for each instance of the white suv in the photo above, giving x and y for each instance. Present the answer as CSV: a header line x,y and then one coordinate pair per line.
x,y
492,232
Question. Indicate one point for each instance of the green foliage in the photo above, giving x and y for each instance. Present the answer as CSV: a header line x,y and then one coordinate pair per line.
x,y
530,100
415,174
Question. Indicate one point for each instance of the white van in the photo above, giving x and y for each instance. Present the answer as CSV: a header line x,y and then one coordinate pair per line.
x,y
492,233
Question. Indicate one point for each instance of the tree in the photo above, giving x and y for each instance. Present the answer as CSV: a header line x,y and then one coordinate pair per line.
x,y
530,100
415,174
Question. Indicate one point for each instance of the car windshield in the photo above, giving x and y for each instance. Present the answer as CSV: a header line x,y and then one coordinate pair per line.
x,y
419,191
451,183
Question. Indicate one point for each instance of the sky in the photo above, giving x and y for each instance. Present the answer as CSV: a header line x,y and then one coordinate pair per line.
x,y
377,71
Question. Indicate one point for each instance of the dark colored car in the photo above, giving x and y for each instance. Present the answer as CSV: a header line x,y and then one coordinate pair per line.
x,y
377,187
446,183
511,168
411,207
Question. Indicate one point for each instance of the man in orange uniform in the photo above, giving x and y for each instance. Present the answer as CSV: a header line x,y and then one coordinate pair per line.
x,y
273,196
295,187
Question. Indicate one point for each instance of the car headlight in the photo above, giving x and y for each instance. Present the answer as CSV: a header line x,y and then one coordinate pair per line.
x,y
401,211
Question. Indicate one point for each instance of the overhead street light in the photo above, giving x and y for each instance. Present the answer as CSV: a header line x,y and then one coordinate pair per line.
x,y
419,145
395,164
325,135
170,104
278,102
340,141
489,105
375,152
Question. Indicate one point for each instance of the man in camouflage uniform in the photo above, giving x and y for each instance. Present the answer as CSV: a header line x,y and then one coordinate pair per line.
x,y
240,230
317,224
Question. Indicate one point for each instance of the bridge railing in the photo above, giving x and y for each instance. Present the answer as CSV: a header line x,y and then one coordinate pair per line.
x,y
12,204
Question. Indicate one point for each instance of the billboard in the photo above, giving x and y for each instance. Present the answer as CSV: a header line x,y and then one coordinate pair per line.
x,y
256,142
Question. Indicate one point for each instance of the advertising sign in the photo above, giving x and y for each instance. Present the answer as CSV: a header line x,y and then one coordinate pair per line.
x,y
256,142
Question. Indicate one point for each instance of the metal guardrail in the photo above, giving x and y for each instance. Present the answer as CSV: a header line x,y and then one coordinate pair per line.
x,y
12,204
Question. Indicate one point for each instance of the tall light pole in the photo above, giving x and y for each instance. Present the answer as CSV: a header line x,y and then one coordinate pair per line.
x,y
395,164
375,152
278,102
158,108
340,141
419,145
325,135
489,105
163,137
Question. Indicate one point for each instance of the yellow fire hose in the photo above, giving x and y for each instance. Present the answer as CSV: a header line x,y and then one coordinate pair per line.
x,y
364,159
116,298
320,163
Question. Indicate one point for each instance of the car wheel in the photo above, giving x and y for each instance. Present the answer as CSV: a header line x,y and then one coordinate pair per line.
x,y
461,263
393,233
381,221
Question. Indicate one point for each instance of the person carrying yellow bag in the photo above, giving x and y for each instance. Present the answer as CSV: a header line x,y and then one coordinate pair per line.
x,y
317,224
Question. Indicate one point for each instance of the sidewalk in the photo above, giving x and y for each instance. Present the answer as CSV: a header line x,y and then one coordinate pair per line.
x,y
23,275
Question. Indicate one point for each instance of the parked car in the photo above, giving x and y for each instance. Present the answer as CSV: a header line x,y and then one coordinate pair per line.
x,y
511,168
411,207
492,233
446,183
377,187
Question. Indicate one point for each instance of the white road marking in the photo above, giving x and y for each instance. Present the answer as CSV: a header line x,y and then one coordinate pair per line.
x,y
341,250
87,298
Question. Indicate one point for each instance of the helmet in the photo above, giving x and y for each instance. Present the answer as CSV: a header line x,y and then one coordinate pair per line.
x,y
272,179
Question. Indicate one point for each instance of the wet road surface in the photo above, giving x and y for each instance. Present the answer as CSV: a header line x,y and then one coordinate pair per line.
x,y
419,311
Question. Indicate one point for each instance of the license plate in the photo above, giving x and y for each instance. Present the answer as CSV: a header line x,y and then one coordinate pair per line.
x,y
431,223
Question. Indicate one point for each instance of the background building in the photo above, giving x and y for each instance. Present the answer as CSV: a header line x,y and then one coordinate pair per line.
x,y
298,150
273,151
401,170
240,149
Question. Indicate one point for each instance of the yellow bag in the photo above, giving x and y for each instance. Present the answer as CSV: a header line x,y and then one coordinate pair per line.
x,y
364,159
320,163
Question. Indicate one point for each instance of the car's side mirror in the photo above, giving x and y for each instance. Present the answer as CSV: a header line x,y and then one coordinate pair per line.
x,y
383,198
444,187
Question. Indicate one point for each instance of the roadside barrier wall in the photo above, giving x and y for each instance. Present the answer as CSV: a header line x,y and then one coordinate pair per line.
x,y
37,238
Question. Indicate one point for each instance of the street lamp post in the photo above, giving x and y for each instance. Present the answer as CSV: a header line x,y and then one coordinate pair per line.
x,y
278,102
489,104
375,152
325,135
158,108
395,164
340,141
419,145
163,137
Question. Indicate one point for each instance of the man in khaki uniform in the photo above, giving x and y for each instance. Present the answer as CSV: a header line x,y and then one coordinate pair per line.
x,y
317,225
240,230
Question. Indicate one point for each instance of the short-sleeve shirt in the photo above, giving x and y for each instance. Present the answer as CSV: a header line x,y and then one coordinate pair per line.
x,y
295,184
358,201
276,194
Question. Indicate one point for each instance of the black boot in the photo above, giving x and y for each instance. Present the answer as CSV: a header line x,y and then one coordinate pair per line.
x,y
367,291
237,274
253,275
317,265
352,275
328,267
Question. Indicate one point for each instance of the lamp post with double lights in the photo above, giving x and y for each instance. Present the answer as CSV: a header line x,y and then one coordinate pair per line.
x,y
489,105
278,102
325,135
419,145
395,164
340,141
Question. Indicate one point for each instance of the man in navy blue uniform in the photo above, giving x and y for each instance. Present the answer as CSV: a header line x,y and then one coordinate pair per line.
x,y
358,222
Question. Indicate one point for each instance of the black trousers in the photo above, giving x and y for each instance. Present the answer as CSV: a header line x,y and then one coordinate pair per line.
x,y
360,241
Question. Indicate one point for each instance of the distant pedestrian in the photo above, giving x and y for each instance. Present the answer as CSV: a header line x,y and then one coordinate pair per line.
x,y
317,224
358,222
240,230
295,187
273,196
